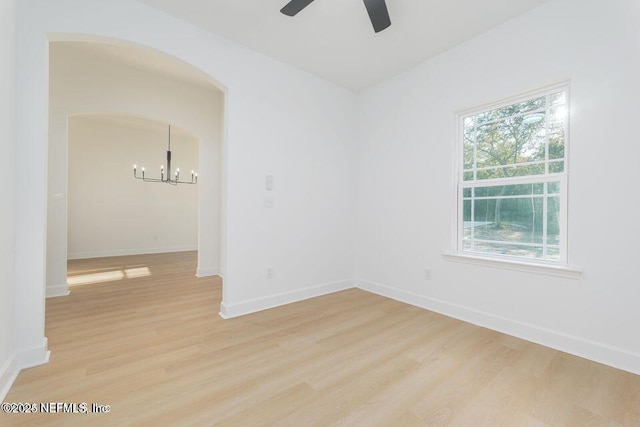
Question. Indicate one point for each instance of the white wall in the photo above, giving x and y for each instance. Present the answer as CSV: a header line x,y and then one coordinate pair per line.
x,y
7,138
90,78
112,213
278,120
406,181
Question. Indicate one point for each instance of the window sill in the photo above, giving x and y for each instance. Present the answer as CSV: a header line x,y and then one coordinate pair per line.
x,y
563,271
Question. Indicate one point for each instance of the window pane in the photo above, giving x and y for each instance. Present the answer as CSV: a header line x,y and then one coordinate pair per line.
x,y
504,112
468,122
558,98
490,139
506,223
556,145
557,118
553,254
466,244
553,188
556,167
517,220
529,105
557,125
468,148
466,211
553,220
468,176
507,249
512,141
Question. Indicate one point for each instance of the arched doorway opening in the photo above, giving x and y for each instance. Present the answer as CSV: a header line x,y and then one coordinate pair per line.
x,y
115,78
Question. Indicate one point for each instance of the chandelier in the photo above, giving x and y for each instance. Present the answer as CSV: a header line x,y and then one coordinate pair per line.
x,y
168,177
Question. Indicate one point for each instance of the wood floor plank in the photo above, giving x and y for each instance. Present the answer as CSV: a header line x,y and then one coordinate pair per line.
x,y
146,339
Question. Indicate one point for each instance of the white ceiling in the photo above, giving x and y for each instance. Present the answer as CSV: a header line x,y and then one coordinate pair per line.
x,y
334,39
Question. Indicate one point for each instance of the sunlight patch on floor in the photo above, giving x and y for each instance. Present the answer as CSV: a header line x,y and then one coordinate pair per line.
x,y
108,276
132,273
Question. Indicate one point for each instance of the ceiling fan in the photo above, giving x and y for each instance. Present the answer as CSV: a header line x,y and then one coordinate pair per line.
x,y
377,10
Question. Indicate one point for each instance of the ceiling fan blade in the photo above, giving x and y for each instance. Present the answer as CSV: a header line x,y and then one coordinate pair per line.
x,y
378,14
294,6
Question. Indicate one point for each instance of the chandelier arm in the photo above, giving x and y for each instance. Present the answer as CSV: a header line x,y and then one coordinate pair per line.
x,y
168,181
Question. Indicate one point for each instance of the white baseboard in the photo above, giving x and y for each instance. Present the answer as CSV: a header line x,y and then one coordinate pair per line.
x,y
598,352
228,311
206,272
223,311
34,356
123,252
8,374
57,291
22,359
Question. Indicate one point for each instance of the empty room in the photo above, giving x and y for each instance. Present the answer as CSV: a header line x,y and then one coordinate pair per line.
x,y
319,212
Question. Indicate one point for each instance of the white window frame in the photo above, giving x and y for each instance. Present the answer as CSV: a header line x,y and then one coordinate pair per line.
x,y
545,266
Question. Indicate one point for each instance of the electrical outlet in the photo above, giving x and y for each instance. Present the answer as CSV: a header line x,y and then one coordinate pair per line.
x,y
427,273
269,274
269,202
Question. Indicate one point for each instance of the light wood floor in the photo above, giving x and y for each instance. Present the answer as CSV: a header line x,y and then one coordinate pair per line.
x,y
154,348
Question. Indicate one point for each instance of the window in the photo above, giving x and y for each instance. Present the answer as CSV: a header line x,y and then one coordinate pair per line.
x,y
512,184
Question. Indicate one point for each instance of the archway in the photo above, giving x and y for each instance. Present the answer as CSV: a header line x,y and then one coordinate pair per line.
x,y
109,90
